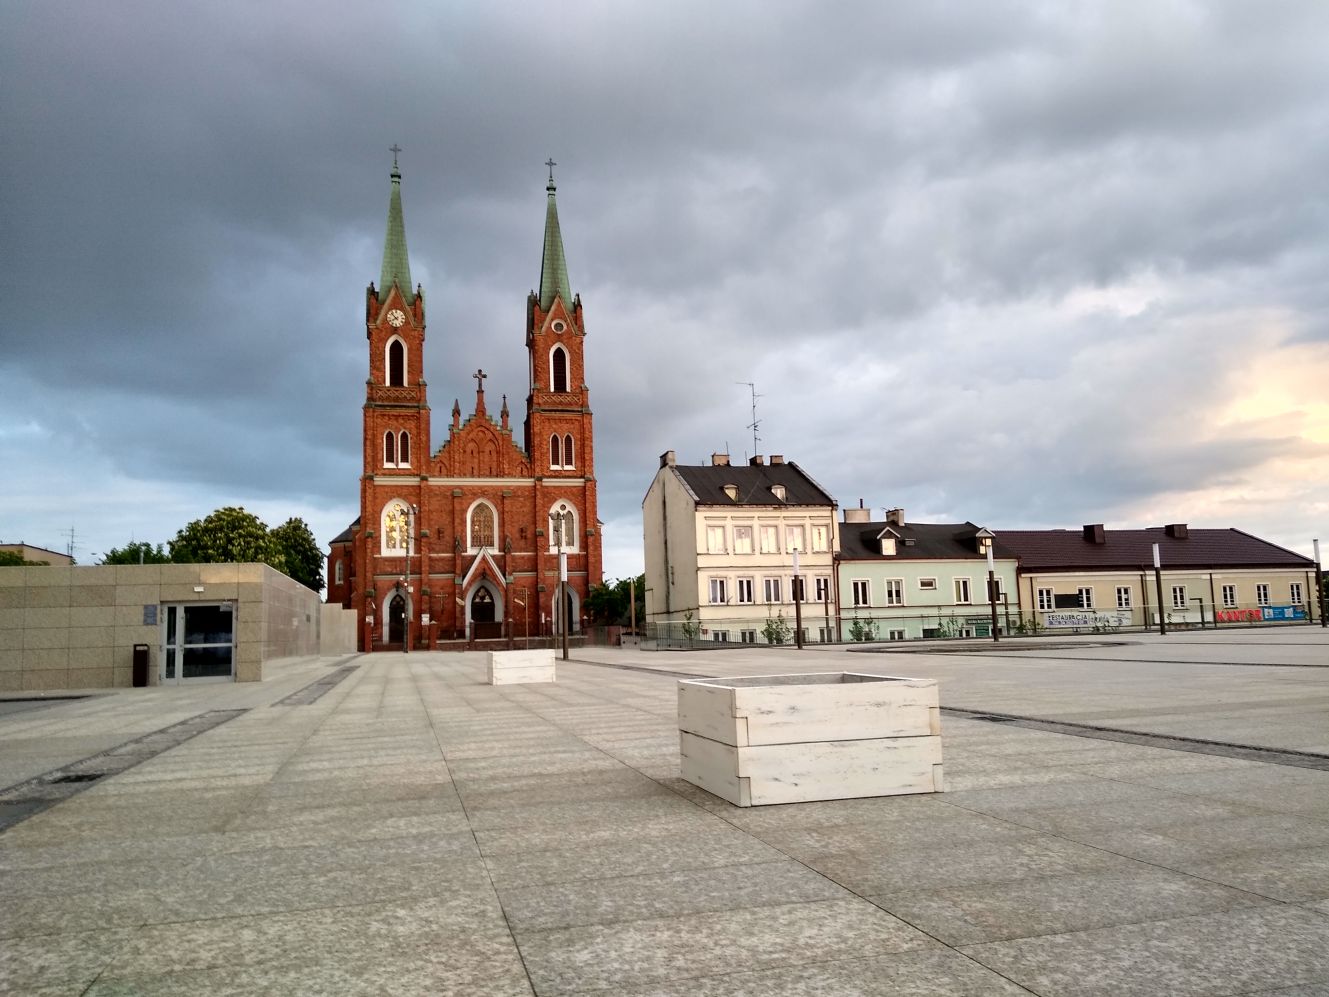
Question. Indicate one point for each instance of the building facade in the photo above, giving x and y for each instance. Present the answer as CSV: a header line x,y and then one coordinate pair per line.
x,y
902,581
721,543
464,542
1100,579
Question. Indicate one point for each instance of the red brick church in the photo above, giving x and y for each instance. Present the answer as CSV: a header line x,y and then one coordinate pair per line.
x,y
462,542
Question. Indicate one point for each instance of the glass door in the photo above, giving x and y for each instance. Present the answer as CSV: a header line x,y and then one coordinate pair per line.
x,y
198,643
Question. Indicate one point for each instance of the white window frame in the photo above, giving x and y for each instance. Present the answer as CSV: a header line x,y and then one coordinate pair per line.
x,y
770,586
894,591
742,539
963,590
895,635
715,538
1047,600
1262,594
340,571
567,368
793,539
821,538
1294,593
389,440
719,589
771,533
1178,596
1125,597
927,585
745,587
822,585
720,636
470,515
569,546
747,636
1229,597
861,591
1086,596
405,362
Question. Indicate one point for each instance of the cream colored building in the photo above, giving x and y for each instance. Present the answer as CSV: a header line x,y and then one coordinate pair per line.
x,y
1099,579
720,543
69,627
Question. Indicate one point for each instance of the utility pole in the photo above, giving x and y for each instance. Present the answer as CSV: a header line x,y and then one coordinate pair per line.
x,y
992,592
798,604
1319,584
1158,581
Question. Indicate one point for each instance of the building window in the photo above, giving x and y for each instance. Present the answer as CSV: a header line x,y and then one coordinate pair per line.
x,y
396,527
562,528
1046,599
796,589
404,449
742,539
558,369
825,635
389,449
745,591
862,591
895,635
747,636
821,539
962,593
1178,596
715,540
1085,595
340,571
482,529
895,591
719,592
568,461
1262,594
1229,597
555,453
720,636
770,540
823,588
793,539
1294,593
771,589
995,592
396,363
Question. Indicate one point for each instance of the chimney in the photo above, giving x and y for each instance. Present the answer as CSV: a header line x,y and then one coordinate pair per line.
x,y
1093,533
859,515
667,459
719,460
895,517
1177,531
777,458
757,461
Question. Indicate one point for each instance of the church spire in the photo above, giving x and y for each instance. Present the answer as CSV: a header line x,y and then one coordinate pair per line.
x,y
396,264
553,267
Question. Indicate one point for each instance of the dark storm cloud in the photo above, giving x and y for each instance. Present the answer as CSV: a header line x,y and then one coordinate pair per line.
x,y
999,261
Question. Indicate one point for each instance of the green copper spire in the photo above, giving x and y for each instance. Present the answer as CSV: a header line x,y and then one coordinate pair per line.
x,y
396,264
553,267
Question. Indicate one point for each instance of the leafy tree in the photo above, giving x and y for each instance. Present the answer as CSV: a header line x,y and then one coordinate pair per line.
x,y
14,559
777,630
137,552
299,549
863,630
609,604
228,535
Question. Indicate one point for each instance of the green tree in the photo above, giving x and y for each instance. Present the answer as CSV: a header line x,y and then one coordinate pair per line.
x,y
13,559
228,535
777,630
137,552
609,604
301,552
863,630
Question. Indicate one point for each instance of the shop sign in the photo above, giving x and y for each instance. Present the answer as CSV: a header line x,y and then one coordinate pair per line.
x,y
1261,615
1084,619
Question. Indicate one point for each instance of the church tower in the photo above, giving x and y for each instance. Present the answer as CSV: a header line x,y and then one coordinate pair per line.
x,y
460,546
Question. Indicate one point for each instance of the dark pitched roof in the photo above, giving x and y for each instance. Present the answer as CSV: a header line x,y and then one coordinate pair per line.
x,y
346,535
754,483
930,541
1135,548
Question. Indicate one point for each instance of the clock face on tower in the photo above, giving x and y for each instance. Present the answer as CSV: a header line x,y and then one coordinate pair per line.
x,y
396,317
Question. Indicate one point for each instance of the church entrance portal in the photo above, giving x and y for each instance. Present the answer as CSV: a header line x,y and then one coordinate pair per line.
x,y
483,624
397,620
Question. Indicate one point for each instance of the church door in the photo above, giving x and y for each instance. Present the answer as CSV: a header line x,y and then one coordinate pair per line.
x,y
483,624
397,620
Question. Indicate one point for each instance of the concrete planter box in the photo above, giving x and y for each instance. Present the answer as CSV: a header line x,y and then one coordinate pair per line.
x,y
795,738
512,667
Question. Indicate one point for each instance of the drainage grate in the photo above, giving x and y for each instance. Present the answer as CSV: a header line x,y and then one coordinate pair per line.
x,y
1173,742
23,800
317,689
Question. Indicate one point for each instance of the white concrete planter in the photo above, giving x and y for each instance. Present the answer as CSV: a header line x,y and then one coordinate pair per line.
x,y
511,667
795,738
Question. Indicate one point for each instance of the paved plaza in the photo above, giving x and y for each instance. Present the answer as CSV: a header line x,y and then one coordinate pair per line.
x,y
390,824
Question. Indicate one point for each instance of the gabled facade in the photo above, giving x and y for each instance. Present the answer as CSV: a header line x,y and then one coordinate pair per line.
x,y
719,551
901,581
1099,578
463,541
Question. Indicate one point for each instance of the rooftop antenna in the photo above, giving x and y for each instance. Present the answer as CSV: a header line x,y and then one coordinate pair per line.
x,y
69,547
755,421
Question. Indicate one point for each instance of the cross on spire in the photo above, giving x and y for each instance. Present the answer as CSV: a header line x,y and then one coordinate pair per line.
x,y
394,149
551,164
479,376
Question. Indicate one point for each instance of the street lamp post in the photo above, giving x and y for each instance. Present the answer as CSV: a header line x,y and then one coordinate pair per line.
x,y
1319,584
798,604
992,592
1158,582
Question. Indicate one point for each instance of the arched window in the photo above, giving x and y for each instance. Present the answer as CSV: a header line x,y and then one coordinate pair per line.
x,y
397,362
389,449
482,528
396,526
567,452
558,369
555,452
563,527
340,573
404,449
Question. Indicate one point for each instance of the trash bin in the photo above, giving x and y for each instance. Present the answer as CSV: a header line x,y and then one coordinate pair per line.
x,y
140,665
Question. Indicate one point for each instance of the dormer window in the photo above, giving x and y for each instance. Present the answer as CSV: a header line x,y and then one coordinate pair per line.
x,y
732,492
778,492
888,546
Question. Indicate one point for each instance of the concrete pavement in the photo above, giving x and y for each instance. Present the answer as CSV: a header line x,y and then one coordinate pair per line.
x,y
415,831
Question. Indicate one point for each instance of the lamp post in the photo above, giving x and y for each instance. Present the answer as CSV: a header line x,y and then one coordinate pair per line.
x,y
1319,584
562,613
798,604
992,592
1158,582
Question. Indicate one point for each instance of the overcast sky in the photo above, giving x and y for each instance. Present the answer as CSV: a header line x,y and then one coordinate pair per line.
x,y
1025,264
